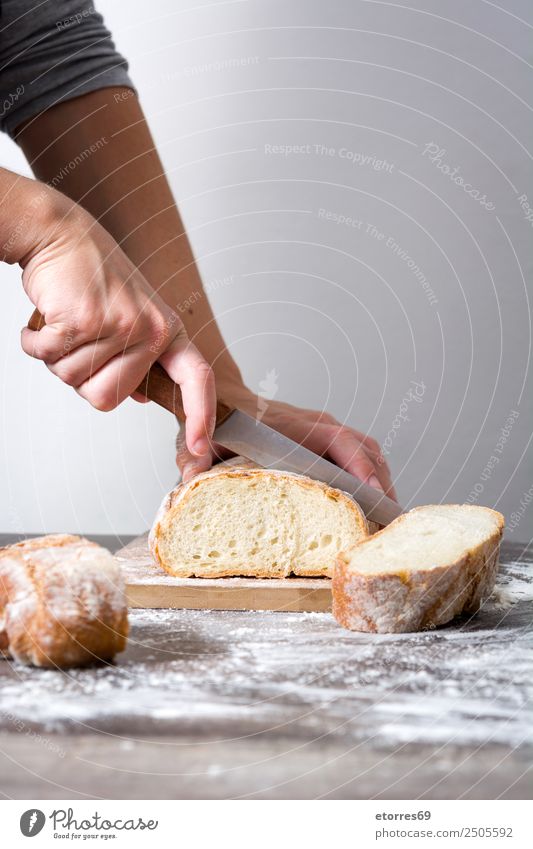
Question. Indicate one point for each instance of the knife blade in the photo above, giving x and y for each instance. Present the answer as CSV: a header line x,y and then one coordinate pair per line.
x,y
245,435
239,432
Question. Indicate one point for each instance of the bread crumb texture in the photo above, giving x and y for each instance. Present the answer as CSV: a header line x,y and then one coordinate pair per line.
x,y
240,520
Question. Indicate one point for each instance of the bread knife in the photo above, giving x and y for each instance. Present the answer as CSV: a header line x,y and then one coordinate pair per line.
x,y
243,434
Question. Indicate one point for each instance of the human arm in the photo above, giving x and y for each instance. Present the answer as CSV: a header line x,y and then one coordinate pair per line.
x,y
122,183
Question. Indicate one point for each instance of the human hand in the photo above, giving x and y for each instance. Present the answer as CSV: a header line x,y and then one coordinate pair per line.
x,y
105,325
350,449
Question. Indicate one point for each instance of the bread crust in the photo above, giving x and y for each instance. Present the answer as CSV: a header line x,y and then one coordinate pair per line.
x,y
62,602
238,467
411,600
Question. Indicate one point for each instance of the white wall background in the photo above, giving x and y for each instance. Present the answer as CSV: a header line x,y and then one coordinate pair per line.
x,y
340,316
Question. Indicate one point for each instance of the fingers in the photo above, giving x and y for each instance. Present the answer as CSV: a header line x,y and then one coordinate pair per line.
x,y
49,344
189,464
362,457
103,372
108,370
373,449
140,398
356,452
384,476
348,452
351,450
116,380
78,366
187,367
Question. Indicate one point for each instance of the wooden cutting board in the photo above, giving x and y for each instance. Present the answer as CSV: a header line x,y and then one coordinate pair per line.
x,y
148,586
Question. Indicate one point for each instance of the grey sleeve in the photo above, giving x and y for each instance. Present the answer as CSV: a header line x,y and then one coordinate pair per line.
x,y
50,52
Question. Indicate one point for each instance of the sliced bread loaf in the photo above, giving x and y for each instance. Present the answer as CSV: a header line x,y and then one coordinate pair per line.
x,y
423,569
238,519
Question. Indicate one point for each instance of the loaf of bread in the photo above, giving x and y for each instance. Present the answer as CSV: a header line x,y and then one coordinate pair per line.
x,y
239,519
62,602
426,567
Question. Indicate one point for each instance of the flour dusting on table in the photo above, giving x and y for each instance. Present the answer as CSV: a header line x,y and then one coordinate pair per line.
x,y
230,674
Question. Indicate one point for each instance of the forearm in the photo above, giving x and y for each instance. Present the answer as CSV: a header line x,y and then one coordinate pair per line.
x,y
120,180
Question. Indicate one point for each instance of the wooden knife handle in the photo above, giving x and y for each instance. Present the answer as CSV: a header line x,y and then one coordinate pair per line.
x,y
36,321
158,386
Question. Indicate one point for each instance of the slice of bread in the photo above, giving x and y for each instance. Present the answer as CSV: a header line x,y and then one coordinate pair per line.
x,y
423,569
239,519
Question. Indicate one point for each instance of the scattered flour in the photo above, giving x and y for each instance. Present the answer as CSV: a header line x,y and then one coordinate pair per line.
x,y
223,675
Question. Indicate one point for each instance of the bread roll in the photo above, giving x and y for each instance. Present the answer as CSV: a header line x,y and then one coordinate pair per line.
x,y
423,569
62,602
238,519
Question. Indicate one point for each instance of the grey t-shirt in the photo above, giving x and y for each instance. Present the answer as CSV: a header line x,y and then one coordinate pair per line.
x,y
52,51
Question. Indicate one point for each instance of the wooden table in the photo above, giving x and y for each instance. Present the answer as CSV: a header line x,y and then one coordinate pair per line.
x,y
226,704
